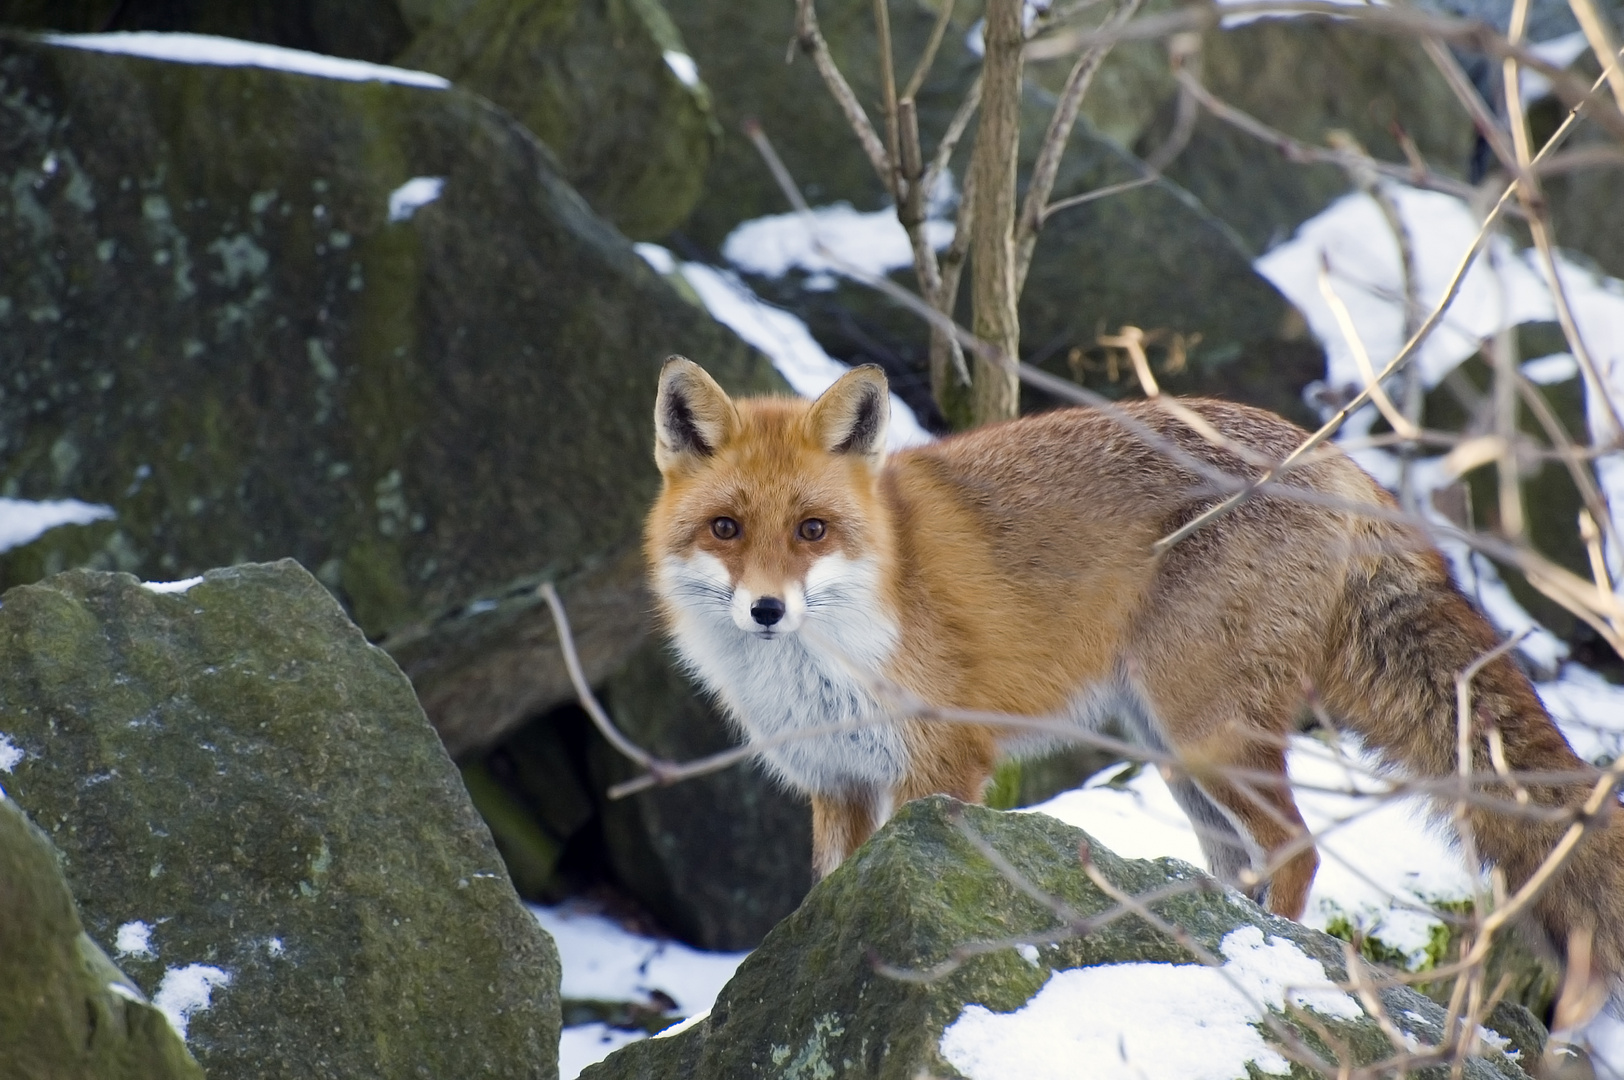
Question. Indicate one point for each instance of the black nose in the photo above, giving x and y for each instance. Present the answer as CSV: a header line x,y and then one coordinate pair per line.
x,y
767,610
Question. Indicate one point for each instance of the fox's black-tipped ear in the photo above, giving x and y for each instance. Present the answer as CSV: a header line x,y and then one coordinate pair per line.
x,y
851,416
693,416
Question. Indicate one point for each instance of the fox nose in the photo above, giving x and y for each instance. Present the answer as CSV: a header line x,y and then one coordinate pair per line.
x,y
767,610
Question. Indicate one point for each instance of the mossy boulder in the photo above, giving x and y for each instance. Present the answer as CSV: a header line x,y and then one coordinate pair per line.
x,y
228,314
918,939
237,779
65,1009
607,84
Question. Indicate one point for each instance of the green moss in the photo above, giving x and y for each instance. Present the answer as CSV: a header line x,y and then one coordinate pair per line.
x,y
293,772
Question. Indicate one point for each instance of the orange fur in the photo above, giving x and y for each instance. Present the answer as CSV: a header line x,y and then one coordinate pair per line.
x,y
1010,570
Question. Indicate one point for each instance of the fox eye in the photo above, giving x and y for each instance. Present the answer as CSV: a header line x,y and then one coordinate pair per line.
x,y
724,528
811,529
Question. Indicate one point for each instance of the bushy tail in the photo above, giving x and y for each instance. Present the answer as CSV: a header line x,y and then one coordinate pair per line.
x,y
1405,632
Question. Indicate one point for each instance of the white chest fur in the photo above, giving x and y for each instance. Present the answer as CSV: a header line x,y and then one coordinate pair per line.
x,y
816,677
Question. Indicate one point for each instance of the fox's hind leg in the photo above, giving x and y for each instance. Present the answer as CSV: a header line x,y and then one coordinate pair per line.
x,y
1247,780
1230,780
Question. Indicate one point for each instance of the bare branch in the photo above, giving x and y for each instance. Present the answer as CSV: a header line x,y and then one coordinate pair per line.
x,y
583,690
888,97
1601,43
928,58
813,44
1344,321
1047,166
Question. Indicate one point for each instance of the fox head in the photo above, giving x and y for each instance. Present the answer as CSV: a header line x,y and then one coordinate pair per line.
x,y
769,516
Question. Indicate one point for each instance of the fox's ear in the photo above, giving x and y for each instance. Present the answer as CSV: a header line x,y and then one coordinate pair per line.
x,y
851,416
693,416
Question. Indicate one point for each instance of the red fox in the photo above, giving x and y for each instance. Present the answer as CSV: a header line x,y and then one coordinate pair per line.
x,y
1010,570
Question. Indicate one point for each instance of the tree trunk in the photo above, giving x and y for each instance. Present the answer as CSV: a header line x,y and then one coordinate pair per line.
x,y
992,246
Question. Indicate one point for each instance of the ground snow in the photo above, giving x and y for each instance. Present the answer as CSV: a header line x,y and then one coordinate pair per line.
x,y
1379,858
1503,288
1149,1021
230,52
23,521
603,961
186,991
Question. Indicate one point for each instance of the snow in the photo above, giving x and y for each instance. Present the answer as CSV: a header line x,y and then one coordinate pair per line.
x,y
184,992
683,67
1588,709
1604,1037
1556,368
134,939
413,195
1366,271
11,755
603,961
834,239
1377,857
777,333
1558,51
231,52
678,1028
118,989
22,521
1148,1021
171,586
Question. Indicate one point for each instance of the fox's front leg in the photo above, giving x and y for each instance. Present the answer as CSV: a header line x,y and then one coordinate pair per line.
x,y
840,824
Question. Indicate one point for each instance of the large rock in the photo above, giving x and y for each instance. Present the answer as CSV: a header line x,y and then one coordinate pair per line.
x,y
607,84
65,1010
235,769
220,316
814,1000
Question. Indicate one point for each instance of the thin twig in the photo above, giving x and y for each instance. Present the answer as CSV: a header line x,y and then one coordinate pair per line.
x,y
813,44
1047,165
927,59
583,690
1350,333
